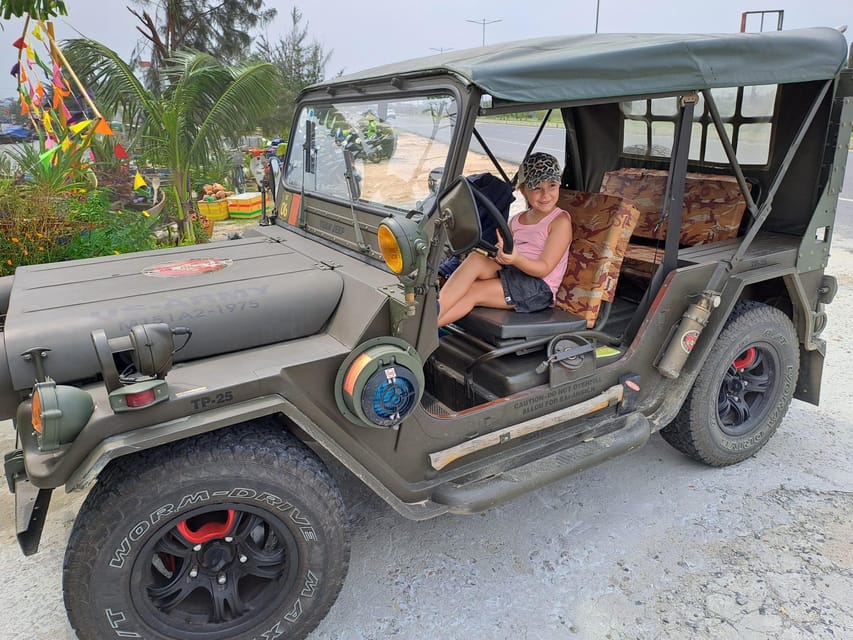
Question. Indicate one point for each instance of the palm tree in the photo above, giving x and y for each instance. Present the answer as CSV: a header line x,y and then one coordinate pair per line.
x,y
221,28
204,103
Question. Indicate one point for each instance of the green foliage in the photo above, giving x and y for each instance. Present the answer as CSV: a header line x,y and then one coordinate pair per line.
x,y
40,230
106,232
204,103
299,63
220,28
33,227
39,9
62,172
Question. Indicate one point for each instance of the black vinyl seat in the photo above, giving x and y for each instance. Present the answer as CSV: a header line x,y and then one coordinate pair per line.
x,y
500,326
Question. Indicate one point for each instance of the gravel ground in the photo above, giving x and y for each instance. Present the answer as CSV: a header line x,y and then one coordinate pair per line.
x,y
649,546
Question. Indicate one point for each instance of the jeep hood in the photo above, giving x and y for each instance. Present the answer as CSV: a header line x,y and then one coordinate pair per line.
x,y
232,295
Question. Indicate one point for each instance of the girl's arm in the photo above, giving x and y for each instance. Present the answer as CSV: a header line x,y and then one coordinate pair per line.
x,y
559,238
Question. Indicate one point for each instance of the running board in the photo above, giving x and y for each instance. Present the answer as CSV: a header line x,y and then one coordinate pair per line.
x,y
611,396
486,493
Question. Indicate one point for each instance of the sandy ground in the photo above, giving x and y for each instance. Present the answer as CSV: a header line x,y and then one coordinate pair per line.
x,y
648,546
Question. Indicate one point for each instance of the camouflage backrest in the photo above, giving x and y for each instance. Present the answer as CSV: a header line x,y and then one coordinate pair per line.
x,y
713,205
601,227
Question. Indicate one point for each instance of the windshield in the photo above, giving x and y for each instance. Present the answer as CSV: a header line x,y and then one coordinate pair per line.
x,y
396,149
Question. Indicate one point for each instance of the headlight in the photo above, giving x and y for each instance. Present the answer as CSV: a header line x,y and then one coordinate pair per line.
x,y
390,248
401,242
59,413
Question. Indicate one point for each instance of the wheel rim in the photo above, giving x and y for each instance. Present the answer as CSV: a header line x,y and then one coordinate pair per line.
x,y
747,389
215,573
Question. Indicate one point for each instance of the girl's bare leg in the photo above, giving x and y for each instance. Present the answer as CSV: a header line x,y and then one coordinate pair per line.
x,y
475,267
483,293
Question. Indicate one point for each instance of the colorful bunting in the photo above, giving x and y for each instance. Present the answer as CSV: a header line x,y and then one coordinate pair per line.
x,y
77,127
45,157
103,127
139,181
44,87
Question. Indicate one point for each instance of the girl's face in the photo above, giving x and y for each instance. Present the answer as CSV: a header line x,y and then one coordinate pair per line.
x,y
543,197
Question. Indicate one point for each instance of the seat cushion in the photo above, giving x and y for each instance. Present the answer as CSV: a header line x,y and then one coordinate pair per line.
x,y
601,227
713,204
642,260
499,325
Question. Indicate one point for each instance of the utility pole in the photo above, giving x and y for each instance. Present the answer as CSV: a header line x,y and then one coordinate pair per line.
x,y
484,22
597,7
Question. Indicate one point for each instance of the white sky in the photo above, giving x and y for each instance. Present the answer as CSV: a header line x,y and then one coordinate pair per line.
x,y
367,34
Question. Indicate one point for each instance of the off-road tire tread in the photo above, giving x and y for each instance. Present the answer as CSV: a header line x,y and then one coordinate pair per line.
x,y
262,441
680,432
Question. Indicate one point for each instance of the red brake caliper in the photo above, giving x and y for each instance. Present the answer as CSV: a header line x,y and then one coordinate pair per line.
x,y
209,530
745,359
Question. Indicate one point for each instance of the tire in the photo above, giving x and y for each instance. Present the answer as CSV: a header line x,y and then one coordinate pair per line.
x,y
743,390
236,534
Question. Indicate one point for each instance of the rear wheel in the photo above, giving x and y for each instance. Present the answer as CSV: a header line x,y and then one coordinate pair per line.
x,y
743,391
236,534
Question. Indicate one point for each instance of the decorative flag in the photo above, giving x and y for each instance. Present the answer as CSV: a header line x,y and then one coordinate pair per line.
x,y
139,181
20,43
45,157
64,113
79,126
103,127
121,153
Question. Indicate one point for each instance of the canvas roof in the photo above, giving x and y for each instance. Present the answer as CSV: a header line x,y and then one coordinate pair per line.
x,y
589,67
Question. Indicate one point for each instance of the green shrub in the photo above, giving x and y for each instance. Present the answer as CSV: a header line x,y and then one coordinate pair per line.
x,y
106,232
78,225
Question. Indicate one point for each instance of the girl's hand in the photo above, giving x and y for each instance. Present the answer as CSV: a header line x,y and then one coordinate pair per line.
x,y
504,258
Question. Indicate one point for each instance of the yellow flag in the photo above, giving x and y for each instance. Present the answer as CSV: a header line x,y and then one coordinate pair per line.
x,y
77,127
138,181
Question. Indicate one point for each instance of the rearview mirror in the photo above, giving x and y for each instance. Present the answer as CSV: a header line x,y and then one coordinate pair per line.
x,y
456,205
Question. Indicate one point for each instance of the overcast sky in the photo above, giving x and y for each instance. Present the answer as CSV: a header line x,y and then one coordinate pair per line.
x,y
366,34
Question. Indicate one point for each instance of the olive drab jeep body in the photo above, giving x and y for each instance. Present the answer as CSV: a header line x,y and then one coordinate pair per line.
x,y
701,174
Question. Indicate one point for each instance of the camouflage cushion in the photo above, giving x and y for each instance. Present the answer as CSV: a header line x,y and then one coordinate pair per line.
x,y
641,260
713,205
601,227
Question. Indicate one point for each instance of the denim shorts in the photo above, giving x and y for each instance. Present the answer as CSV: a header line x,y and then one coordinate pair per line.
x,y
525,293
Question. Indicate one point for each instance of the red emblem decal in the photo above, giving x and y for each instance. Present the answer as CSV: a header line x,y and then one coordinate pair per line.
x,y
191,267
688,340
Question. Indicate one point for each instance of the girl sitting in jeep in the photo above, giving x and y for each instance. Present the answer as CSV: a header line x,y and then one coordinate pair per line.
x,y
527,278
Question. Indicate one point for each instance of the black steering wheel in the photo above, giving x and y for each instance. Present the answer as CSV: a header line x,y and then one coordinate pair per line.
x,y
499,220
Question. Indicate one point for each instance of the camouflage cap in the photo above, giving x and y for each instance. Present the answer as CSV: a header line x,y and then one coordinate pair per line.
x,y
539,167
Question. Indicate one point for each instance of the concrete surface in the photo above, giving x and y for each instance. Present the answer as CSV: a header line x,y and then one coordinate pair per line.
x,y
651,545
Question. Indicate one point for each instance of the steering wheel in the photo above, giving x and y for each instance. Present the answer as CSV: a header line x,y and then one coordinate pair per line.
x,y
498,219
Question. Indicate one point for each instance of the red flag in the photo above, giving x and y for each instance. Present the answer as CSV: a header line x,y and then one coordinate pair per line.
x,y
20,43
121,152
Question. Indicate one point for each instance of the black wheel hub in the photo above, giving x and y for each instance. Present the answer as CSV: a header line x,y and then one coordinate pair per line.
x,y
216,556
215,573
746,391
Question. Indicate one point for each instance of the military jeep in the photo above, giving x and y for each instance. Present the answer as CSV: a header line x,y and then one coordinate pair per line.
x,y
198,391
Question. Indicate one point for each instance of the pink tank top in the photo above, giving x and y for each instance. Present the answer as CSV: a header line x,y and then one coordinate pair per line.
x,y
530,241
